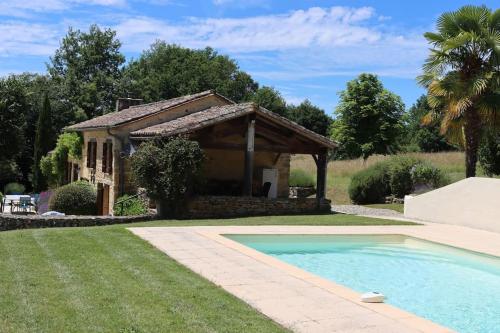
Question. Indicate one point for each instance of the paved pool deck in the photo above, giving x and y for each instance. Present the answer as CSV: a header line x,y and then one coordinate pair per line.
x,y
299,300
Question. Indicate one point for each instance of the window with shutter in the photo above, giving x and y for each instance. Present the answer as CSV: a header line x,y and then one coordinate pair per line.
x,y
94,155
110,157
89,153
105,157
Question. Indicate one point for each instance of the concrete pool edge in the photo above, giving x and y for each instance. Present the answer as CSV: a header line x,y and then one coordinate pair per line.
x,y
404,317
210,244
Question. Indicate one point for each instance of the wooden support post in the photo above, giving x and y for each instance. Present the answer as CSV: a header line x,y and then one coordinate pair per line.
x,y
249,152
322,166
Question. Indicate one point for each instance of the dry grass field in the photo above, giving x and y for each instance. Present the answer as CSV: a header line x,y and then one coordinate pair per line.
x,y
340,172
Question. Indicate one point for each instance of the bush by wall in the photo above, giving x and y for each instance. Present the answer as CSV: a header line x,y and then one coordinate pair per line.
x,y
78,198
370,185
400,175
299,177
14,188
427,174
397,176
130,207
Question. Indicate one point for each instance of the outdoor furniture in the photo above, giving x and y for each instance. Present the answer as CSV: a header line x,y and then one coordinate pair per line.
x,y
18,203
8,202
24,204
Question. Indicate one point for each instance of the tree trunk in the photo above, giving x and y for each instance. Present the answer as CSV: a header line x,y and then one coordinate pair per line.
x,y
472,137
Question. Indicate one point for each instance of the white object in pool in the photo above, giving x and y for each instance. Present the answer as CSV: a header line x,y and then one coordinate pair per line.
x,y
372,297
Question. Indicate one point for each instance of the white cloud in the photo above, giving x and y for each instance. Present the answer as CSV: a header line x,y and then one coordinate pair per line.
x,y
26,8
335,26
316,42
18,38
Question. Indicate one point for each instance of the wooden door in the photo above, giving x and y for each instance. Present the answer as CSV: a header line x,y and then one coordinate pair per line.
x,y
105,200
100,193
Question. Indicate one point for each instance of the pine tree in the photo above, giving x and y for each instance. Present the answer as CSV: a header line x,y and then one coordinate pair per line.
x,y
44,140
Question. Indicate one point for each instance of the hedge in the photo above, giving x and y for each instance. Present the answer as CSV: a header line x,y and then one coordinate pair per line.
x,y
397,176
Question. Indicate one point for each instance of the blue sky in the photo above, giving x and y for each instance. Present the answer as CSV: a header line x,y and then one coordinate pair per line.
x,y
305,49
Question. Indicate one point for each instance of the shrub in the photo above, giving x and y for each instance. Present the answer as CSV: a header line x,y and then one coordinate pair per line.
x,y
370,185
130,207
78,198
167,169
299,177
489,153
427,174
400,175
396,176
14,188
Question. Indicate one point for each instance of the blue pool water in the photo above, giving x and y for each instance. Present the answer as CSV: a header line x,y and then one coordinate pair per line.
x,y
450,286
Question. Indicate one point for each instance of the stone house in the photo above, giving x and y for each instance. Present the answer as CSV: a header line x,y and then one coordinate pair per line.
x,y
245,147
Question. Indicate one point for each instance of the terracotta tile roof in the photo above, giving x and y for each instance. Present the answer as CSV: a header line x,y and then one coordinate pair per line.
x,y
136,112
218,114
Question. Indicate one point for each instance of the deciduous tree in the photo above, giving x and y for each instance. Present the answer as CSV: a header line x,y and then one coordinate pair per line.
x,y
424,135
86,68
166,71
271,99
368,119
310,116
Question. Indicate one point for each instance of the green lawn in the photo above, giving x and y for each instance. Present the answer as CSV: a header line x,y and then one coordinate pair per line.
x,y
105,279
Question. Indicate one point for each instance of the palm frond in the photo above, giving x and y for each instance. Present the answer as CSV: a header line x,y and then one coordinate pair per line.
x,y
494,21
472,18
453,130
462,39
447,25
435,102
426,79
434,38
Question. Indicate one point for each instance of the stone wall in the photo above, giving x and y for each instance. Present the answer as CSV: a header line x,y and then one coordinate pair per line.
x,y
221,206
12,222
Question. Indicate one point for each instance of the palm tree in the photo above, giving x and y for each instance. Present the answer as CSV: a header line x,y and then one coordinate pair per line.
x,y
462,76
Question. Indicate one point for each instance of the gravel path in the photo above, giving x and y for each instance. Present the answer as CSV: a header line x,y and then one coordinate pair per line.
x,y
362,210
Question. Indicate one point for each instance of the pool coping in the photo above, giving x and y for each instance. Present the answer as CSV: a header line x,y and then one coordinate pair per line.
x,y
226,253
393,312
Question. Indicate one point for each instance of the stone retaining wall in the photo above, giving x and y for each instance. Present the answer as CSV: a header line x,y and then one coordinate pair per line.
x,y
222,206
12,222
197,208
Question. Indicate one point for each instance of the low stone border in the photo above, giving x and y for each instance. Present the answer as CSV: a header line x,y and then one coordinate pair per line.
x,y
13,222
227,206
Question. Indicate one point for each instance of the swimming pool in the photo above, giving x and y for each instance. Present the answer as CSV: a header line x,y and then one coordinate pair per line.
x,y
450,286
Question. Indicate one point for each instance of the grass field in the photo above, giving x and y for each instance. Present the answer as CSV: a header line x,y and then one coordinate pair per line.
x,y
105,279
340,172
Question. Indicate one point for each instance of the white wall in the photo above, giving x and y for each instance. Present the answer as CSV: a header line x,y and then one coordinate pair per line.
x,y
472,202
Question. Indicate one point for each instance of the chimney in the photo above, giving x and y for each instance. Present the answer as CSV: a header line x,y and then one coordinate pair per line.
x,y
125,103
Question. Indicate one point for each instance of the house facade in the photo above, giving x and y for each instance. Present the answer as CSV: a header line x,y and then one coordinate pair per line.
x,y
245,146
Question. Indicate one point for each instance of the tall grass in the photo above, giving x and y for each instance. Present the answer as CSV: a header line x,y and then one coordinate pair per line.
x,y
340,172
